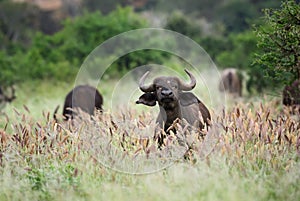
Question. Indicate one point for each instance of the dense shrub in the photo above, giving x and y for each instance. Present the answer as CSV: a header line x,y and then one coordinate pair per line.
x,y
59,56
280,42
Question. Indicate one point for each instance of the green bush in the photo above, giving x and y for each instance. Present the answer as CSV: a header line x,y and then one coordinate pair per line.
x,y
180,23
8,74
59,56
280,44
235,16
240,53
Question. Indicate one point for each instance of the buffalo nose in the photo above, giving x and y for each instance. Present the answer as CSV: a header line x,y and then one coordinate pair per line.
x,y
166,92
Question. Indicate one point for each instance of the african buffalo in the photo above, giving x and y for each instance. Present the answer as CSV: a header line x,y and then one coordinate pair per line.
x,y
291,94
173,102
4,98
231,82
84,97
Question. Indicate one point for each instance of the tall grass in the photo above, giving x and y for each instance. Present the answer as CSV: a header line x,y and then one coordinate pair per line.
x,y
250,153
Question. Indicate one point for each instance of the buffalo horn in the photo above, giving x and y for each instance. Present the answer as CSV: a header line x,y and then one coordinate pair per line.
x,y
191,85
144,88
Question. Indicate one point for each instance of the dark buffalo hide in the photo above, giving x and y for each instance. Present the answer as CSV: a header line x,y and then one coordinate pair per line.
x,y
291,94
83,97
231,82
174,102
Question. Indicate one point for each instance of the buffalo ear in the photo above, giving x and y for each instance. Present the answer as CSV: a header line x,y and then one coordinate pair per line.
x,y
187,98
147,99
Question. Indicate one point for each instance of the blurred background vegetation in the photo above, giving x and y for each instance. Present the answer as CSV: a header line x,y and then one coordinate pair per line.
x,y
50,39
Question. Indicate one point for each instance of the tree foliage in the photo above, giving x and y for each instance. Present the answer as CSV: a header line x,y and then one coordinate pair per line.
x,y
240,54
104,6
17,22
227,38
182,24
279,39
236,16
59,56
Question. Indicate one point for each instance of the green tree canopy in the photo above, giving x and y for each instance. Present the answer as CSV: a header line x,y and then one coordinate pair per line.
x,y
279,40
236,15
182,24
59,56
17,23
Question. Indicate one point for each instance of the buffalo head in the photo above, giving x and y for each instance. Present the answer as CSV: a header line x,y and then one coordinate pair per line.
x,y
174,101
164,90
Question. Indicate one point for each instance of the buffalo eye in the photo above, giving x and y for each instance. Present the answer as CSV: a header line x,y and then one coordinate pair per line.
x,y
158,87
175,87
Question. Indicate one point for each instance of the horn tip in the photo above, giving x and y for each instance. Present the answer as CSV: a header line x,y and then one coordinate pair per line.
x,y
187,71
146,73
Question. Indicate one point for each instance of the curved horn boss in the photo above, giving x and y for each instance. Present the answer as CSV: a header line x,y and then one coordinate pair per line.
x,y
187,87
143,87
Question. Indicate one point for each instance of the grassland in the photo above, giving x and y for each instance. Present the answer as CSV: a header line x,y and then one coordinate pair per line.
x,y
251,153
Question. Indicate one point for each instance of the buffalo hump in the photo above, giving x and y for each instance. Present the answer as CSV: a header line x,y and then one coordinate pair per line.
x,y
84,97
